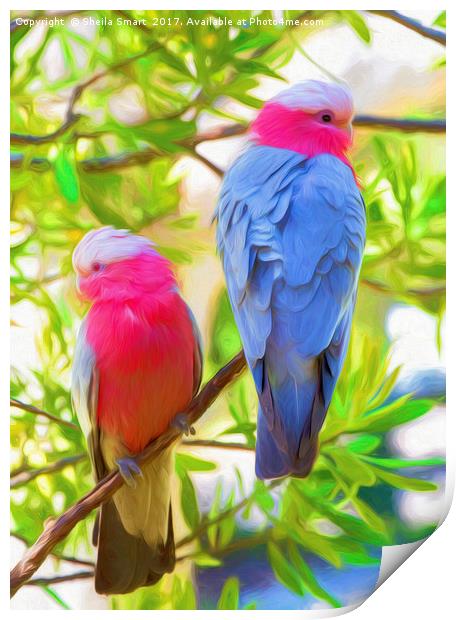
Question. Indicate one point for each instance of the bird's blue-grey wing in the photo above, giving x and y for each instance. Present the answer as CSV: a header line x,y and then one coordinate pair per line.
x,y
291,235
84,396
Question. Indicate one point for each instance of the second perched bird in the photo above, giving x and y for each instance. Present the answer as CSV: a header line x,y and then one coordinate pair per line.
x,y
291,232
137,365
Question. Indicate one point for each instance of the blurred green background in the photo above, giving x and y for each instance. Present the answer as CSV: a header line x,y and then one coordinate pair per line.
x,y
132,125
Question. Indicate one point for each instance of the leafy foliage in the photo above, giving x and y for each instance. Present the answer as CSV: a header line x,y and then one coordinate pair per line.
x,y
109,167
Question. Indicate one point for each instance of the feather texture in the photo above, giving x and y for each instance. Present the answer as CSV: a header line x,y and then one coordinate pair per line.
x,y
137,365
291,233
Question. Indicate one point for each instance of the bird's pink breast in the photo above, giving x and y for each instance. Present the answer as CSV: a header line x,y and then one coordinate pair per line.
x,y
144,352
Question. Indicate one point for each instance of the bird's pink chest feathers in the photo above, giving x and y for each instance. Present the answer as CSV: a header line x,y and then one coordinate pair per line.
x,y
144,354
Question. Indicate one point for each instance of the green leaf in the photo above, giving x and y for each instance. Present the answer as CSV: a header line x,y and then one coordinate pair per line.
x,y
354,19
229,597
53,594
369,516
227,528
263,496
188,462
354,527
189,503
403,482
66,174
285,573
385,390
392,463
308,577
440,20
364,444
320,545
351,467
399,412
204,559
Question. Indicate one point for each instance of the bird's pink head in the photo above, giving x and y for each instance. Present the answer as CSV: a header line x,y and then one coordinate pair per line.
x,y
310,118
116,265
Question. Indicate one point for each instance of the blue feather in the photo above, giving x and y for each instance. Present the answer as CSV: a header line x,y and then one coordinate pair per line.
x,y
291,233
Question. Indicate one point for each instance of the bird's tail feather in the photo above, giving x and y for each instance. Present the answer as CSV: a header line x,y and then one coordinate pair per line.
x,y
290,417
126,562
135,531
273,462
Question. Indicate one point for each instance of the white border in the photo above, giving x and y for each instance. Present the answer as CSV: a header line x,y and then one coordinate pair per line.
x,y
423,588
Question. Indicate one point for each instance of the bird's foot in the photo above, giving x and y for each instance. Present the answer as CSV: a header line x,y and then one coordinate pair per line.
x,y
182,424
128,469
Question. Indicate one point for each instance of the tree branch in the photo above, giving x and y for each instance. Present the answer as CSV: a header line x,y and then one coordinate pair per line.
x,y
57,556
142,157
23,477
228,131
402,124
418,292
31,409
71,117
413,24
210,443
218,171
56,530
46,581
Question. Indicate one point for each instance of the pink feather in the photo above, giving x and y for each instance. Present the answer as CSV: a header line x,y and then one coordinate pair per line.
x,y
142,336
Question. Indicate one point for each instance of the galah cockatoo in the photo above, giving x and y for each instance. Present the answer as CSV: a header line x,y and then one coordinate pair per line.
x,y
291,233
136,367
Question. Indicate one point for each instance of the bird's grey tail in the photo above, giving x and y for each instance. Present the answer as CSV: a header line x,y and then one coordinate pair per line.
x,y
290,417
273,462
126,562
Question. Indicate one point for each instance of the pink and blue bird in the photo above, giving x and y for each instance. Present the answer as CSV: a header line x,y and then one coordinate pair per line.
x,y
291,234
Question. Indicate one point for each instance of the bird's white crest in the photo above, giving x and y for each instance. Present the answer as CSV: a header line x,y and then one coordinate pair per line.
x,y
107,245
314,96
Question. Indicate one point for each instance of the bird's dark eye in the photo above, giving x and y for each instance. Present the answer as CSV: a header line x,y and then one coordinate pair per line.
x,y
97,266
326,118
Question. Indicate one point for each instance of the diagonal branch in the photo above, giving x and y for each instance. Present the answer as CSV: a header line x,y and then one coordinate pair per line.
x,y
56,530
31,409
24,477
413,24
71,117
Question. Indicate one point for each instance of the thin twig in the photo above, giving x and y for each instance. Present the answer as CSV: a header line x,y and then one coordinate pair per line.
x,y
25,476
56,530
46,581
407,125
31,409
218,171
57,556
71,117
205,523
413,24
433,291
210,443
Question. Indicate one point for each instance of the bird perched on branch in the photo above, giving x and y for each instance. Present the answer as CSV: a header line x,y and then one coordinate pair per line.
x,y
291,233
137,365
